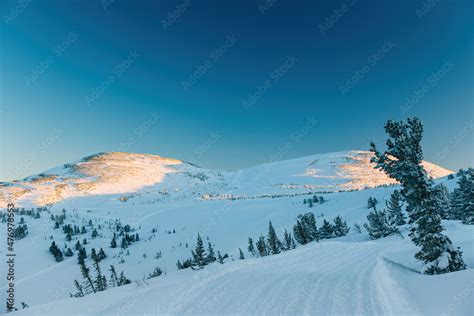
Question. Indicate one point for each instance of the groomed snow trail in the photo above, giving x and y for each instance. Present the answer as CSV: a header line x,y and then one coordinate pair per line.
x,y
331,278
327,278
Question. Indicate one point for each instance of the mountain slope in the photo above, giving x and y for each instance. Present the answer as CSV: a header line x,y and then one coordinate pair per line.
x,y
149,177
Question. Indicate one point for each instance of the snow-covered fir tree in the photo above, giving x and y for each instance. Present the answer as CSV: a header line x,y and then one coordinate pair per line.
x,y
378,225
340,227
326,230
251,247
272,239
394,208
402,161
199,254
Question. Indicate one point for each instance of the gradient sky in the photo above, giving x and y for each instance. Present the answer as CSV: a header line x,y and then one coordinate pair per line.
x,y
54,54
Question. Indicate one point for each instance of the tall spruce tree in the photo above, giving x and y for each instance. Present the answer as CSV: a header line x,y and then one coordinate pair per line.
x,y
262,247
199,255
402,161
441,194
272,239
394,208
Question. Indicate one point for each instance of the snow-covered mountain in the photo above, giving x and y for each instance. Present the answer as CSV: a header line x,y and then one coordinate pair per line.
x,y
167,202
149,177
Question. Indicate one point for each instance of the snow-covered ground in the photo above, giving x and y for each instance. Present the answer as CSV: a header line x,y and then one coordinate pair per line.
x,y
348,275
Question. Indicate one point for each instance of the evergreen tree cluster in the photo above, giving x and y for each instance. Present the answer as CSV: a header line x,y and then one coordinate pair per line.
x,y
98,282
56,252
304,231
402,161
200,257
20,231
314,200
71,231
127,240
384,223
372,203
462,198
98,256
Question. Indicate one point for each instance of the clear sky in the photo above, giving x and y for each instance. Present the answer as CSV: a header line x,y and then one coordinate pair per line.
x,y
229,84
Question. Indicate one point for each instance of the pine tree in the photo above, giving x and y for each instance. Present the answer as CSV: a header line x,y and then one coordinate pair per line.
x,y
441,194
241,254
326,231
69,253
210,254
402,161
466,197
251,247
101,255
288,240
372,202
220,258
272,239
310,203
340,227
394,208
113,243
262,246
86,275
378,225
301,235
80,292
199,255
78,245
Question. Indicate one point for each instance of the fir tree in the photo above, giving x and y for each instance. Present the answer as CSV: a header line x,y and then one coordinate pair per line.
x,y
402,161
262,247
241,254
394,208
199,255
272,239
80,292
210,254
251,247
441,194
113,243
86,275
372,202
220,258
378,225
69,253
287,240
326,231
340,227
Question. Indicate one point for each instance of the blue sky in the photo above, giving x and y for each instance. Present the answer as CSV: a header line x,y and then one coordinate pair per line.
x,y
228,84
